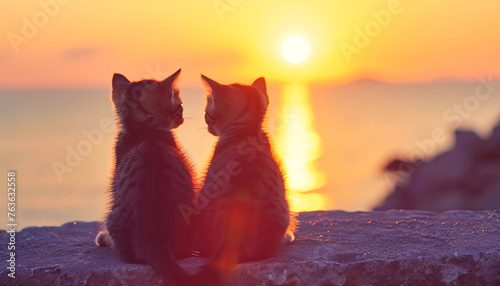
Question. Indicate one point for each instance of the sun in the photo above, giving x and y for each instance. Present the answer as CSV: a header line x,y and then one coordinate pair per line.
x,y
295,49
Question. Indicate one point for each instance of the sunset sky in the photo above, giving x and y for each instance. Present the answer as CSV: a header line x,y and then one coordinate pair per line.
x,y
79,44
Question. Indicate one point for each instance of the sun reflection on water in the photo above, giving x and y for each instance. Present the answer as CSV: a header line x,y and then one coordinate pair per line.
x,y
300,147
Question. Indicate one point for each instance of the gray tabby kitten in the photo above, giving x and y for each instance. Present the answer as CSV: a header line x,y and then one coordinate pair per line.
x,y
151,178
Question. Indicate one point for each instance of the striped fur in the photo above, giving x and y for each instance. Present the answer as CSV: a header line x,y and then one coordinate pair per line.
x,y
151,178
244,211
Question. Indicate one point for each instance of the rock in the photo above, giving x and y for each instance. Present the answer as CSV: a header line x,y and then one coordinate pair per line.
x,y
467,140
492,146
465,177
331,248
398,164
494,138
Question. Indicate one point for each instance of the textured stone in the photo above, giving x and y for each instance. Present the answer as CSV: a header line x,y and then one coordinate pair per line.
x,y
465,177
331,248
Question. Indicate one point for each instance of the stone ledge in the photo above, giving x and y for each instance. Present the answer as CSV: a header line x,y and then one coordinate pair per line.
x,y
331,248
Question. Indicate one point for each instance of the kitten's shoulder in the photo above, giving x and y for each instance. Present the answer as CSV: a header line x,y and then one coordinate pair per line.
x,y
131,155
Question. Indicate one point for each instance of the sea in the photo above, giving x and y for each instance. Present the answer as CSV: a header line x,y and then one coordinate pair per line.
x,y
334,141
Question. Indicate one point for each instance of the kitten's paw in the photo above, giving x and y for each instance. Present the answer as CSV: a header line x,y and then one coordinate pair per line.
x,y
289,237
103,239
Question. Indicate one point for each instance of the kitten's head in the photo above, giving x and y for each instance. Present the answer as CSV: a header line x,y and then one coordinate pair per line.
x,y
147,104
235,108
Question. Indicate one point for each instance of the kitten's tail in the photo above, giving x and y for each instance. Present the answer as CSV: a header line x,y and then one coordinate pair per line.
x,y
219,268
224,259
172,273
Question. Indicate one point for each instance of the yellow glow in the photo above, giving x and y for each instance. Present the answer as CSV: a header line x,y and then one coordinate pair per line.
x,y
295,49
300,147
306,202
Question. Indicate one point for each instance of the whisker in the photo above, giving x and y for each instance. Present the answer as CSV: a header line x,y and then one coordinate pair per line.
x,y
192,122
195,130
202,139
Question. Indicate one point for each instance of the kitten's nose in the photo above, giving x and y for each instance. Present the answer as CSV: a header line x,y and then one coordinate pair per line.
x,y
179,110
208,119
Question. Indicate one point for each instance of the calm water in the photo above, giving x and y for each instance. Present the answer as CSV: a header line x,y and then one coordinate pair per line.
x,y
333,140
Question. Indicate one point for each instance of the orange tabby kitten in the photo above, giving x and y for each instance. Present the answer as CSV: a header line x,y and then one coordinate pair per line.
x,y
244,211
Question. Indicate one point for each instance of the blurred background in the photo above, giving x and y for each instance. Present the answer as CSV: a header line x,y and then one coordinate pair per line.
x,y
382,104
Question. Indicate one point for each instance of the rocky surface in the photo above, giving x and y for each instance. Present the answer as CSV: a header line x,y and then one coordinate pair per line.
x,y
331,248
465,177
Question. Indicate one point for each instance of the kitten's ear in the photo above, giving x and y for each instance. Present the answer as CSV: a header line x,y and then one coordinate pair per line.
x,y
119,84
169,82
212,84
260,84
119,79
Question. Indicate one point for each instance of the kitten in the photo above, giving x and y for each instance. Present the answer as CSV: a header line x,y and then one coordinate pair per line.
x,y
151,178
244,214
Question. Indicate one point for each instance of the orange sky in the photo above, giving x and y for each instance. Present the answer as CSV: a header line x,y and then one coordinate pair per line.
x,y
79,44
